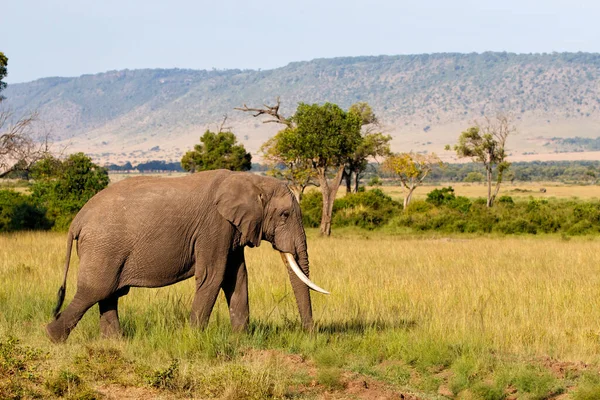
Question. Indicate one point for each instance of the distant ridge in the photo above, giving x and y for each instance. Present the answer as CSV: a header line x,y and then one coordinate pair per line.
x,y
424,100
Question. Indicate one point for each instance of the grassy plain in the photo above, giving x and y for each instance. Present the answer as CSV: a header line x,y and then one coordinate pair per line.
x,y
516,190
427,316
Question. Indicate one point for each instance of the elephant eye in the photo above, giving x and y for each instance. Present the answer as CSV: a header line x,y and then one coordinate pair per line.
x,y
285,214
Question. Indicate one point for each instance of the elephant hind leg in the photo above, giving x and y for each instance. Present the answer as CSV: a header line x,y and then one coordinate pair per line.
x,y
109,314
59,329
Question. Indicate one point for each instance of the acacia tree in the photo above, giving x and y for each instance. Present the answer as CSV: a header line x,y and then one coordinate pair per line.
x,y
485,143
321,136
372,145
412,169
215,151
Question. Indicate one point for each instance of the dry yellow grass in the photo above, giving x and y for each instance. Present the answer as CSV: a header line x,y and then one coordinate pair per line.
x,y
524,296
517,190
424,301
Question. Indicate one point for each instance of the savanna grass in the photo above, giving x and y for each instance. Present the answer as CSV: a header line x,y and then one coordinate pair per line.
x,y
478,316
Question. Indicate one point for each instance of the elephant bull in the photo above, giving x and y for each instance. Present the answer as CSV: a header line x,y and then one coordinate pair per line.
x,y
153,232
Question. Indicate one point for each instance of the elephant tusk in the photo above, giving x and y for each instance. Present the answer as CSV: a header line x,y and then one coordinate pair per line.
x,y
289,260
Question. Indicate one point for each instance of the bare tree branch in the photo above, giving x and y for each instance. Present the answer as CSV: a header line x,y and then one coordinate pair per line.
x,y
222,127
20,145
268,110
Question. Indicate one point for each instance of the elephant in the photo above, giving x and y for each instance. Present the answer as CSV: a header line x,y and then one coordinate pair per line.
x,y
155,231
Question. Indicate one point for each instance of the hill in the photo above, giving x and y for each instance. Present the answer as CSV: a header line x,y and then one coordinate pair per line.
x,y
425,101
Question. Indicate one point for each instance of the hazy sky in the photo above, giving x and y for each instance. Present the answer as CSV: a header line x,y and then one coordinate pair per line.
x,y
72,37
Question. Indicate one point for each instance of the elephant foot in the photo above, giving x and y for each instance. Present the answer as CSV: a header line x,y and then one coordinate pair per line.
x,y
198,321
308,327
111,331
56,332
238,328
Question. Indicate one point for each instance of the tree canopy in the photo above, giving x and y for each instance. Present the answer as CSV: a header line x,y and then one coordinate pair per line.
x,y
216,151
3,72
324,134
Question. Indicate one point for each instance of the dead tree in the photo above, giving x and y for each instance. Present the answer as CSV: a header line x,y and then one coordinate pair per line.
x,y
20,145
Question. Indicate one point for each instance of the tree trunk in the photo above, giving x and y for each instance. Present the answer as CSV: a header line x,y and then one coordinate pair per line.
x,y
329,191
348,178
489,182
356,181
496,189
408,197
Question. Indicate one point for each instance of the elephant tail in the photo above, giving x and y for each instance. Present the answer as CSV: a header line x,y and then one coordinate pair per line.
x,y
61,292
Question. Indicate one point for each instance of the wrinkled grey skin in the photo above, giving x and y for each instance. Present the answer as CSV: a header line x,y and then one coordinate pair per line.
x,y
153,232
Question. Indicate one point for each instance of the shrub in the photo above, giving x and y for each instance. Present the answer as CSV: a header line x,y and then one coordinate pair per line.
x,y
474,177
18,212
63,187
460,203
506,200
581,228
587,211
375,181
369,209
418,206
165,378
312,206
438,197
518,225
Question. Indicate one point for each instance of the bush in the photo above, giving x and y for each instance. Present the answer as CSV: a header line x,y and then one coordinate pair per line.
x,y
375,181
438,197
369,209
460,203
518,225
506,200
18,212
63,187
443,211
581,228
312,207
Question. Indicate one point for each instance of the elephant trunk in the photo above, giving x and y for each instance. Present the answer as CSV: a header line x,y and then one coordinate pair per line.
x,y
298,270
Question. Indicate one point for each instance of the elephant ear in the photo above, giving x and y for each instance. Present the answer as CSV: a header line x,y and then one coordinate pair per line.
x,y
240,202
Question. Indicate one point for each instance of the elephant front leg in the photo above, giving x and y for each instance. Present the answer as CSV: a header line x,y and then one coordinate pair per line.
x,y
202,306
235,287
208,284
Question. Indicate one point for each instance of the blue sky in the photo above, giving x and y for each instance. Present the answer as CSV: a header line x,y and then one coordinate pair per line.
x,y
69,38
